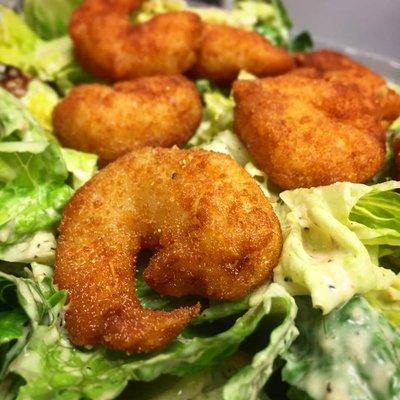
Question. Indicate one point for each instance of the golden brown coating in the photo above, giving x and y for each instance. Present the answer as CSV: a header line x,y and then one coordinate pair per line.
x,y
306,131
111,121
110,47
225,50
213,232
337,67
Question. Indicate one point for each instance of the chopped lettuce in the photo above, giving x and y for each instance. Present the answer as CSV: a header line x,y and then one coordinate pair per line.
x,y
32,195
353,353
375,218
33,179
25,303
49,60
217,117
53,368
40,99
82,166
325,254
49,18
387,301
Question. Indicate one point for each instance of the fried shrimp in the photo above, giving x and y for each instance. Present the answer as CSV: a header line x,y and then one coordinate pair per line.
x,y
212,230
336,67
306,131
110,47
111,121
224,51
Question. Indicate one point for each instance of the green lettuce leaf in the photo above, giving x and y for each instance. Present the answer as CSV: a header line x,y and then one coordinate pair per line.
x,y
205,385
82,166
49,18
11,325
53,368
217,116
33,191
375,218
37,176
353,353
49,60
323,252
387,301
40,99
248,382
25,303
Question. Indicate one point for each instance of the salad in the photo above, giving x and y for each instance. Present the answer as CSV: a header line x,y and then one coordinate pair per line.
x,y
327,327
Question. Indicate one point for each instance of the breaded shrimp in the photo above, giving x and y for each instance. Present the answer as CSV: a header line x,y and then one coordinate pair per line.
x,y
337,67
225,50
212,230
306,131
110,47
111,121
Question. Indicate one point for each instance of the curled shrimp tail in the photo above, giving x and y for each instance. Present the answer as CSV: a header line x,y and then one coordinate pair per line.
x,y
143,330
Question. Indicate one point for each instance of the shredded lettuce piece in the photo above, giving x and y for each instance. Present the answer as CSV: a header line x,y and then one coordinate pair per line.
x,y
353,353
53,368
49,18
387,301
39,246
323,252
49,60
25,303
82,166
40,99
33,179
249,381
375,218
32,195
217,117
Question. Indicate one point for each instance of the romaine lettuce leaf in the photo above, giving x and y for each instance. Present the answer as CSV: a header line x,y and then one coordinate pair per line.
x,y
40,99
82,166
353,353
32,176
217,116
387,301
323,252
39,246
375,218
248,382
53,368
37,176
49,60
49,18
25,302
